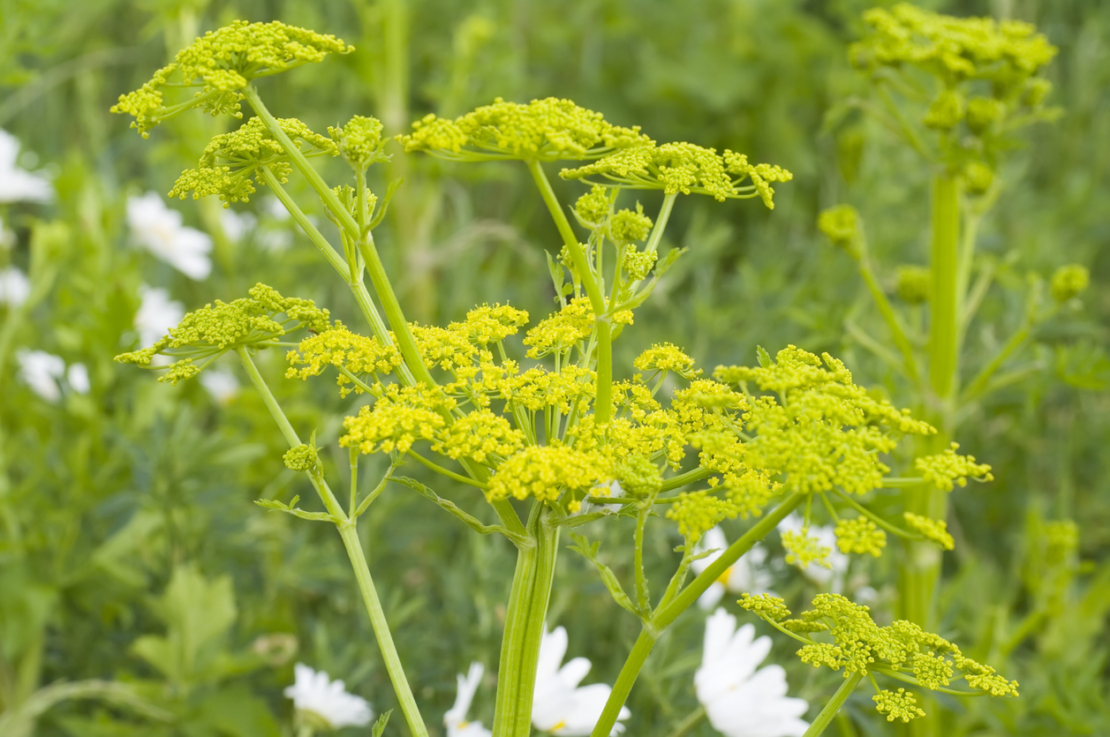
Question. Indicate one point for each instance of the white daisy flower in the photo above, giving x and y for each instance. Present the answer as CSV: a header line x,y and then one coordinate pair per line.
x,y
77,376
41,371
746,575
15,287
159,229
830,578
17,185
326,704
559,706
455,718
220,383
739,700
157,314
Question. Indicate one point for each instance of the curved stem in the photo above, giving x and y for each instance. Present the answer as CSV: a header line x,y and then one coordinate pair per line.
x,y
432,465
629,672
891,318
692,720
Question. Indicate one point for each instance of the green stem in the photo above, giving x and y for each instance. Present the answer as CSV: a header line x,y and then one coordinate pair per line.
x,y
342,215
824,719
524,626
893,324
944,331
629,672
732,553
685,478
667,614
348,531
603,403
432,465
393,312
979,384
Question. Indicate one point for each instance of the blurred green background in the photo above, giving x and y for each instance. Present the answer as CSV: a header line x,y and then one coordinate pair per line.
x,y
130,548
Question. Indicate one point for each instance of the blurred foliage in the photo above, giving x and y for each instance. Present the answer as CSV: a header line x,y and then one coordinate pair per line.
x,y
134,565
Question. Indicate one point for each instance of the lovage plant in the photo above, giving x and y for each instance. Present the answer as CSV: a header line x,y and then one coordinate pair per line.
x,y
537,425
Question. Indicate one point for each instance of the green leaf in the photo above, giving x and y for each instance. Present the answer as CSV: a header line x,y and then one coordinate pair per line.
x,y
764,356
379,725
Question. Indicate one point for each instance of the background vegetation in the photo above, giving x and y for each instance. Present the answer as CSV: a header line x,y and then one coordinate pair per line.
x,y
130,547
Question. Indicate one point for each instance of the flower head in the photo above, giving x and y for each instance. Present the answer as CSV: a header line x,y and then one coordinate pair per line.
x,y
687,169
209,332
739,700
159,229
814,549
231,159
17,185
455,718
560,706
221,64
544,130
326,704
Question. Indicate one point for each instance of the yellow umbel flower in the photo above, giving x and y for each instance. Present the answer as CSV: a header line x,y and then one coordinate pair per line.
x,y
666,357
562,331
898,704
802,549
360,142
697,512
915,284
477,436
935,530
826,432
491,324
341,348
544,472
400,417
685,168
859,536
946,469
221,64
953,48
860,646
205,334
1069,282
542,130
231,159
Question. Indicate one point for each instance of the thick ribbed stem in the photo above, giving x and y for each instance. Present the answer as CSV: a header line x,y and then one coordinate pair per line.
x,y
525,621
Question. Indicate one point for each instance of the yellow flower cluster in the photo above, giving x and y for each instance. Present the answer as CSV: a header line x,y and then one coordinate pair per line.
x,y
400,417
544,472
697,512
687,169
222,63
340,347
666,357
216,328
488,324
1069,282
952,48
861,646
935,530
562,331
544,130
946,469
230,159
840,224
859,536
802,549
826,431
915,284
360,141
477,436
